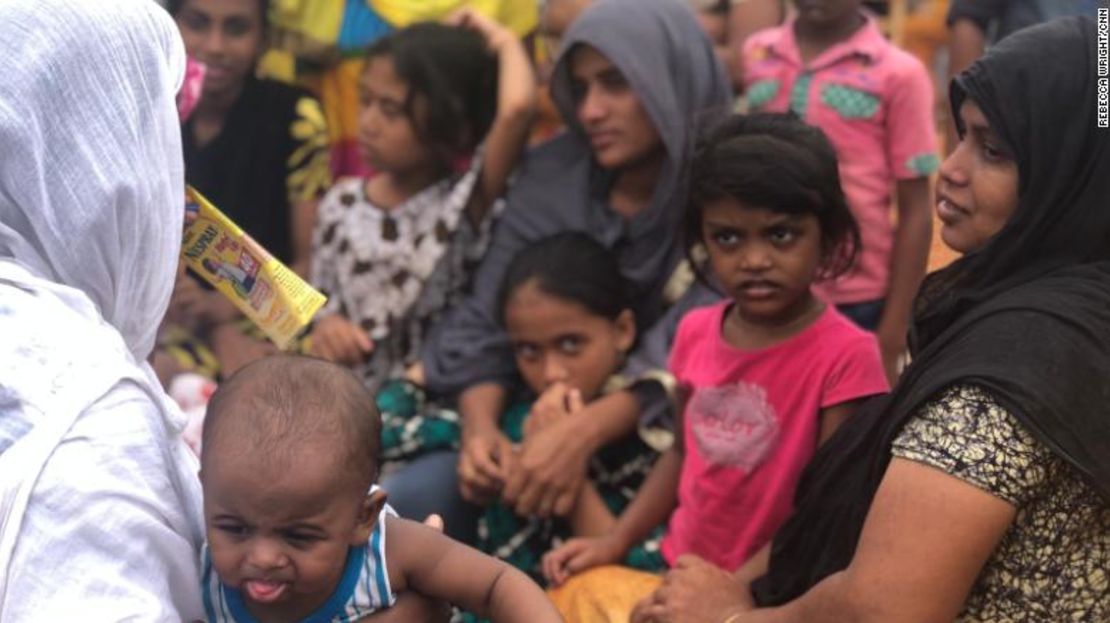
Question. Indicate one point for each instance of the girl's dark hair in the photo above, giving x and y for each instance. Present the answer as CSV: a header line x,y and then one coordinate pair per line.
x,y
570,266
775,162
452,70
174,7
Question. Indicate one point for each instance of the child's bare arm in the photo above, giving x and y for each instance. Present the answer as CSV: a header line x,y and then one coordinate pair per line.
x,y
655,501
516,104
912,238
591,516
426,561
653,504
658,495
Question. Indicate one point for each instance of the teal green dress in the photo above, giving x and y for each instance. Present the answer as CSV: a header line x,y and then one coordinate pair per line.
x,y
617,471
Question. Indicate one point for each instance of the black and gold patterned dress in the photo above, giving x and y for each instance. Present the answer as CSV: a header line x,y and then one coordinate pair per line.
x,y
271,154
1053,564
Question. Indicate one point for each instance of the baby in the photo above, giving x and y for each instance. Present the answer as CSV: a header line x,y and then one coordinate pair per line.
x,y
289,454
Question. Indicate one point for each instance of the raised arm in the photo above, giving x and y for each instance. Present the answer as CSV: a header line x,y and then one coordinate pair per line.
x,y
516,105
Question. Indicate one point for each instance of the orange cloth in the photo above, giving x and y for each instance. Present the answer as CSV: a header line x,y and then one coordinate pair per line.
x,y
603,595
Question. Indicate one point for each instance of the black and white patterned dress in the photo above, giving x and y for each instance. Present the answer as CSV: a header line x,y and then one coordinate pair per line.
x,y
394,272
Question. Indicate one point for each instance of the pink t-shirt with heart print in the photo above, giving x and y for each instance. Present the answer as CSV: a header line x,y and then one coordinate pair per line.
x,y
751,425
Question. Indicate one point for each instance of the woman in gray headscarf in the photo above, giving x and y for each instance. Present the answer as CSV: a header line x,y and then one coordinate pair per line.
x,y
100,506
632,81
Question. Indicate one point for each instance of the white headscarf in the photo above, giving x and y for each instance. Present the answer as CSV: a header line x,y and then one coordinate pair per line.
x,y
91,173
91,207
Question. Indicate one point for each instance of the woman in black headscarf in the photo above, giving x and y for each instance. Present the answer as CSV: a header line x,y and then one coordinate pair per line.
x,y
979,489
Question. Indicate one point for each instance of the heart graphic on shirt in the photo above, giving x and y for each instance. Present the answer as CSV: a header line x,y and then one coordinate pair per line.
x,y
733,425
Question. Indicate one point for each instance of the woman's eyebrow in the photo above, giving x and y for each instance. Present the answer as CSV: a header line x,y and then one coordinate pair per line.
x,y
611,73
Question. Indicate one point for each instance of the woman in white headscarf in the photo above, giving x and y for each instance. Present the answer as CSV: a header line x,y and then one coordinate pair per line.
x,y
99,504
100,514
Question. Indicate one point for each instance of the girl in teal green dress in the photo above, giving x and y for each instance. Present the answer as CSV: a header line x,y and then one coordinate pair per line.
x,y
564,306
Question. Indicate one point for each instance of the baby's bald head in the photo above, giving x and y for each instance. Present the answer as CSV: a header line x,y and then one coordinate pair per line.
x,y
275,406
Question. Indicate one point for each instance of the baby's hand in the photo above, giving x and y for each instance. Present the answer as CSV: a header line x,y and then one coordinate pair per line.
x,y
578,555
554,405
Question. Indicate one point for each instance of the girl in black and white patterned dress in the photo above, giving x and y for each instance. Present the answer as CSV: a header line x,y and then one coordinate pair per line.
x,y
444,115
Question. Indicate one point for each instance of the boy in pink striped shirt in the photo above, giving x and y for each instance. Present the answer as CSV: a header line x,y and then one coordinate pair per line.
x,y
832,67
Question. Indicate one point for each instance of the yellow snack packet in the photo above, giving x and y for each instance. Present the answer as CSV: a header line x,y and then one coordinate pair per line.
x,y
274,297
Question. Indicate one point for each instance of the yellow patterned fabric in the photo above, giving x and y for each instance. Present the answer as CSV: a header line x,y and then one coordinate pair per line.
x,y
1053,563
519,15
314,20
309,169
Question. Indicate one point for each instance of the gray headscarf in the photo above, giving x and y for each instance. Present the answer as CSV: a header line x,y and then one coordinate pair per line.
x,y
672,66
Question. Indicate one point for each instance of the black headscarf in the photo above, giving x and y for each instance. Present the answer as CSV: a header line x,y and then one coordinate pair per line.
x,y
1027,317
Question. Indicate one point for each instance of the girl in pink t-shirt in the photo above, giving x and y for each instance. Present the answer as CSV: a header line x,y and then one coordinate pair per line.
x,y
769,372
